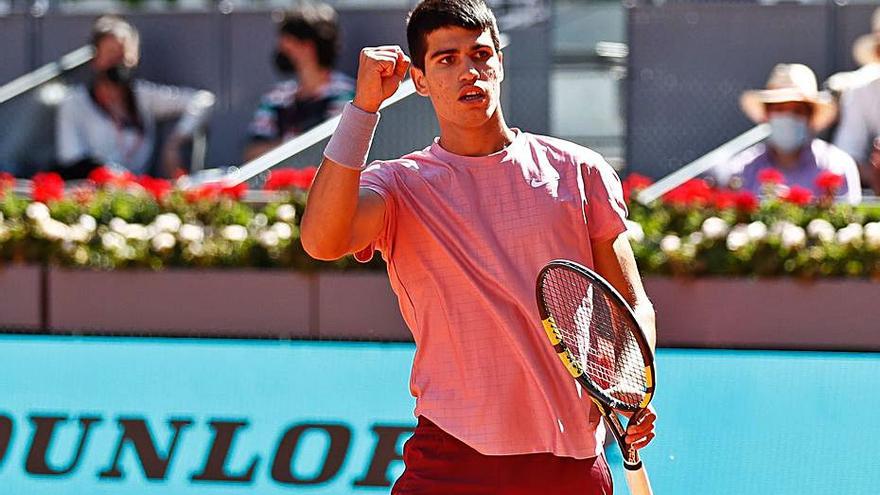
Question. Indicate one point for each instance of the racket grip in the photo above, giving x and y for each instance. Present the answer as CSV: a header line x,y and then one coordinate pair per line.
x,y
637,480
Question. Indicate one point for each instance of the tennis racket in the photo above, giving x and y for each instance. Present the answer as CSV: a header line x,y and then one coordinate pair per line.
x,y
599,341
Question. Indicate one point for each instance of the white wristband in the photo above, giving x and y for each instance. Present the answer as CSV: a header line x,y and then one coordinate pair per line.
x,y
350,144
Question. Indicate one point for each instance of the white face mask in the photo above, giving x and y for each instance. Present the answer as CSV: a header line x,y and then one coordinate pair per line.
x,y
788,131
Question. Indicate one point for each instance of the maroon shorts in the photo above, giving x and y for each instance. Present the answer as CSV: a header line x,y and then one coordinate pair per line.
x,y
439,464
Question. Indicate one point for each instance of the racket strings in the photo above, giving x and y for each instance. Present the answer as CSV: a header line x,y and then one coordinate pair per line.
x,y
598,332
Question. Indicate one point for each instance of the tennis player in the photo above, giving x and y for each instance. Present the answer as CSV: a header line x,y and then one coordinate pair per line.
x,y
465,225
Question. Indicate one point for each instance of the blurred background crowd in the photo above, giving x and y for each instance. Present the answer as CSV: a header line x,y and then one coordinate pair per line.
x,y
201,100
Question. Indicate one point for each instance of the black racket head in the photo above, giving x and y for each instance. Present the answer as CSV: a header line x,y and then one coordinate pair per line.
x,y
596,335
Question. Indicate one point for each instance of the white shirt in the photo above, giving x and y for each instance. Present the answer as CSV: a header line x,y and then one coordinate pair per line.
x,y
84,130
859,119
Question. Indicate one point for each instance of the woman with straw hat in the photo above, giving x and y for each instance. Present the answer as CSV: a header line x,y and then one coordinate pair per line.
x,y
796,112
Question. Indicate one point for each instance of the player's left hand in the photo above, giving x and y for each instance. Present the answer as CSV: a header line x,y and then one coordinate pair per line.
x,y
640,431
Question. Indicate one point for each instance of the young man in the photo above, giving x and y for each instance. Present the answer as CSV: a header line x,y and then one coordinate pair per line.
x,y
308,44
465,225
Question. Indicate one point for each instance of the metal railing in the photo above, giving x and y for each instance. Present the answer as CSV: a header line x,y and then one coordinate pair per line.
x,y
704,163
46,73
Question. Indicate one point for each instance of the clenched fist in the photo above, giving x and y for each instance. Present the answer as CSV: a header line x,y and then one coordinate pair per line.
x,y
380,72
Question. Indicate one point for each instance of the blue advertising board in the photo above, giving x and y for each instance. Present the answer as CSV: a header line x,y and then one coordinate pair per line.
x,y
92,416
134,416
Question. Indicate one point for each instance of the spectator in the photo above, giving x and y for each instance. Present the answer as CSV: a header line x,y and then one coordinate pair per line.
x,y
112,120
796,112
307,50
865,53
860,107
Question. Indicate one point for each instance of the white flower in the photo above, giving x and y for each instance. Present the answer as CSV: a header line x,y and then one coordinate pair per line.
x,y
1,217
821,229
4,232
757,231
37,211
195,249
872,234
164,241
286,212
191,233
850,234
52,230
738,238
715,228
88,223
78,233
136,231
695,238
236,233
634,231
80,256
793,236
112,241
268,239
167,222
260,220
670,244
779,227
282,230
118,225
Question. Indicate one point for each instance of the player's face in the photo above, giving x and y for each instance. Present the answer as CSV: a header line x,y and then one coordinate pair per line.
x,y
462,76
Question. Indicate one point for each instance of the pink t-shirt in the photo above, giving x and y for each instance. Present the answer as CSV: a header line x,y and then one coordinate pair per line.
x,y
464,239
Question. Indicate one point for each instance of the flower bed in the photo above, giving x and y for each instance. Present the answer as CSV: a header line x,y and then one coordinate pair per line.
x,y
697,230
115,221
118,221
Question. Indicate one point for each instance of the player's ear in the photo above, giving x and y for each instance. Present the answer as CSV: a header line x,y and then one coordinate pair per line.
x,y
500,66
419,80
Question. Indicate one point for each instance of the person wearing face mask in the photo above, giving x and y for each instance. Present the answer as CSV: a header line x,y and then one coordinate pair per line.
x,y
111,121
308,40
797,112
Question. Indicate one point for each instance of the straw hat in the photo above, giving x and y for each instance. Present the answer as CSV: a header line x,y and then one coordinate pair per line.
x,y
865,47
790,82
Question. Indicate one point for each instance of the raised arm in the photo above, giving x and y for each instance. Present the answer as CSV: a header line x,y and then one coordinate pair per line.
x,y
341,218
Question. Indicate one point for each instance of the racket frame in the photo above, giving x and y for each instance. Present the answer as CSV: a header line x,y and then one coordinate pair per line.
x,y
608,409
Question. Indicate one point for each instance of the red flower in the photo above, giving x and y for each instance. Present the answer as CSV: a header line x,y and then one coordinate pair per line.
x,y
158,188
798,195
212,191
47,187
829,182
771,176
7,180
290,178
104,176
234,192
205,192
101,176
724,199
745,201
83,195
634,183
692,192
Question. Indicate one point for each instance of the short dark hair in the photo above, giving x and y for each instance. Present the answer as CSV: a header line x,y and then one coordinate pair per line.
x,y
430,15
314,22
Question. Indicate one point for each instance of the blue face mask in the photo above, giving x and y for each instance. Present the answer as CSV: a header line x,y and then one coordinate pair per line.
x,y
788,132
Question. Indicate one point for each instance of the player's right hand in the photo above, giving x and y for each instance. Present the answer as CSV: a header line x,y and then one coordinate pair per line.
x,y
380,71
